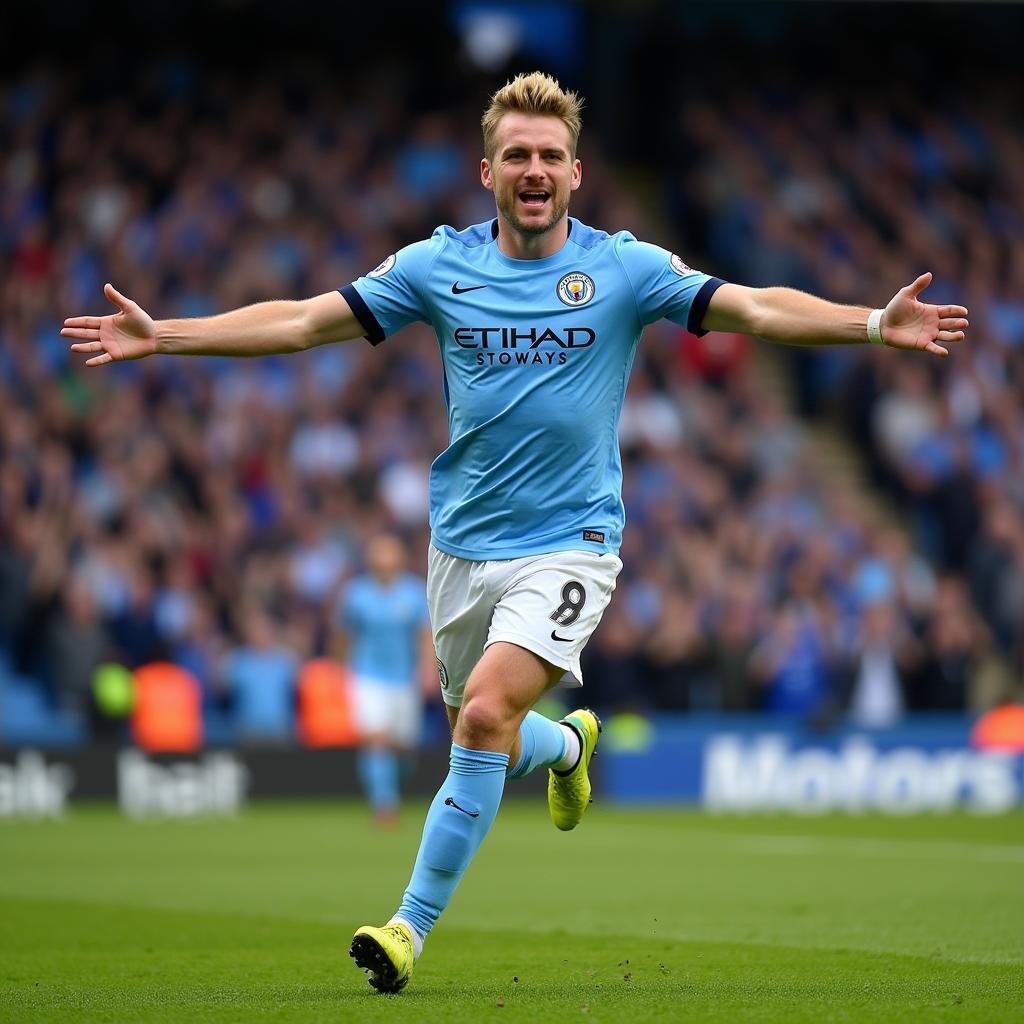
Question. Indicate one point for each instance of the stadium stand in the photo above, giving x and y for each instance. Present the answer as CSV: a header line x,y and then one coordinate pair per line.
x,y
138,505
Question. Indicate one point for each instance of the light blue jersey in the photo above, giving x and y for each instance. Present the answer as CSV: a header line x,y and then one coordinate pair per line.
x,y
536,356
384,626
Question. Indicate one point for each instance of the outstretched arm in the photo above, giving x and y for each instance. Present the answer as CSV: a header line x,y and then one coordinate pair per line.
x,y
796,318
267,328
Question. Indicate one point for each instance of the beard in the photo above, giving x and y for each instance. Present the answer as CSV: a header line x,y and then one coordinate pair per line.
x,y
507,208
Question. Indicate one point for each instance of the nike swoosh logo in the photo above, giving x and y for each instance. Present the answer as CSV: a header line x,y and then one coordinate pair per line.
x,y
456,290
449,802
561,639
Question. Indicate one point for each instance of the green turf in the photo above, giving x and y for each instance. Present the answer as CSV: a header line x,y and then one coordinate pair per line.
x,y
636,916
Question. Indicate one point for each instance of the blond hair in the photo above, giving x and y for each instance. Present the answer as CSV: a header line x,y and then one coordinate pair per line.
x,y
535,93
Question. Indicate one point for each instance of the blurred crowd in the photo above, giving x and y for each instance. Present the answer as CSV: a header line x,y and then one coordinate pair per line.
x,y
209,511
852,197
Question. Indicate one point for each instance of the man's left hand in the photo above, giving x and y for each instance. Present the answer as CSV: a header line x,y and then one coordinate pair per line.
x,y
909,323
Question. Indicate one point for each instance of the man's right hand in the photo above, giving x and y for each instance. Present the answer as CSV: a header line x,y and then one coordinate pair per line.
x,y
128,334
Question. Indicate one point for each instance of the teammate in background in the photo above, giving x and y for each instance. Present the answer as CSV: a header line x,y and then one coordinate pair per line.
x,y
537,317
384,635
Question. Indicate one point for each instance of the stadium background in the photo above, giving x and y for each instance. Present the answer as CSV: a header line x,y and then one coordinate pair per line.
x,y
803,528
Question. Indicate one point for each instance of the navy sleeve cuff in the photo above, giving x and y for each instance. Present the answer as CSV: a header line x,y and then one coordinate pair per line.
x,y
699,306
374,332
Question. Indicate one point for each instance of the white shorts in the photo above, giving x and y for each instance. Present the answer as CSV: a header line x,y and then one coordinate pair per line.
x,y
549,604
387,709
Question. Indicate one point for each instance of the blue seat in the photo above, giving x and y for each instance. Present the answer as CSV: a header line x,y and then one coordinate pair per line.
x,y
26,718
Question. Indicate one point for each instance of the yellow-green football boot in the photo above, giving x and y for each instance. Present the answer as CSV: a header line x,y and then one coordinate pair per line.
x,y
569,792
386,953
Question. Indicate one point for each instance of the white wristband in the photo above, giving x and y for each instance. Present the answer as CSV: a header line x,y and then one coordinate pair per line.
x,y
875,327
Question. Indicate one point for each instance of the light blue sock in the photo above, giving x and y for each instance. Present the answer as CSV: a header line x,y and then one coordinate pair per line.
x,y
378,772
456,824
541,742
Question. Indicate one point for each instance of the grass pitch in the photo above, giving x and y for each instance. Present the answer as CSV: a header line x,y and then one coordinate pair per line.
x,y
636,916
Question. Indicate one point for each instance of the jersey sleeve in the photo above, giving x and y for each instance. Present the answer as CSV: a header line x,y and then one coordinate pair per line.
x,y
664,286
394,294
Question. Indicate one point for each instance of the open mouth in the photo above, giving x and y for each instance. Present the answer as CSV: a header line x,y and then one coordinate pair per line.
x,y
534,199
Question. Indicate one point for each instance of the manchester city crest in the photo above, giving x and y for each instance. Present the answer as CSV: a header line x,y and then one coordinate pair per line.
x,y
576,289
384,267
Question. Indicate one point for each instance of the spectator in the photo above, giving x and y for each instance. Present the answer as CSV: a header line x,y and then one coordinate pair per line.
x,y
77,643
877,698
260,676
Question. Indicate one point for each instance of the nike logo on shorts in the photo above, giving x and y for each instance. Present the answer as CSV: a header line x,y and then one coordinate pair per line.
x,y
561,639
449,802
456,290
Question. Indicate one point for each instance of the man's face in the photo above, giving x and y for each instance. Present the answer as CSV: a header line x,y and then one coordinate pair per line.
x,y
385,557
533,171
